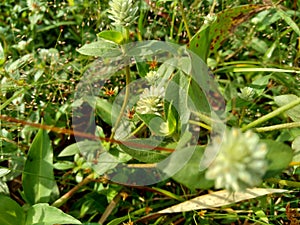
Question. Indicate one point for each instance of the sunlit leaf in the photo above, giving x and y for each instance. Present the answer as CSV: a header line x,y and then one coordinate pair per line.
x,y
42,213
218,199
101,47
38,177
111,35
10,212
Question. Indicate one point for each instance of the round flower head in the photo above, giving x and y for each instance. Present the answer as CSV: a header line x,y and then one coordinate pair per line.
x,y
151,101
152,77
240,163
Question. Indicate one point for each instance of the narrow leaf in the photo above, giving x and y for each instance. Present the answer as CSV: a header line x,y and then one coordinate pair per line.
x,y
288,20
218,199
38,177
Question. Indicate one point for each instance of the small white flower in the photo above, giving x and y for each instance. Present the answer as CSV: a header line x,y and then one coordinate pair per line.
x,y
240,163
247,93
151,101
152,77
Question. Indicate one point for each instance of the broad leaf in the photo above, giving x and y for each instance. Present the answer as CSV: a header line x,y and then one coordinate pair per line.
x,y
214,33
10,212
100,48
48,215
296,148
111,35
218,199
279,156
282,100
103,108
38,177
190,175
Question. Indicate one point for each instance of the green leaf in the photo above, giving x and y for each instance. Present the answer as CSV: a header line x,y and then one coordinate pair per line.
x,y
190,175
70,150
200,42
212,35
296,148
279,156
153,122
100,48
10,212
288,20
111,35
282,100
64,165
42,213
13,67
38,177
198,101
140,153
103,108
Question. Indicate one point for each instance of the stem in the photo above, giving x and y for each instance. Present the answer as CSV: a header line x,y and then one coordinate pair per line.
x,y
200,124
126,98
136,130
284,182
185,21
278,127
271,114
63,199
173,21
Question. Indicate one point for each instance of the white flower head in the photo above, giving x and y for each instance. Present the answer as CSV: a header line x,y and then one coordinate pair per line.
x,y
152,77
247,93
240,163
151,101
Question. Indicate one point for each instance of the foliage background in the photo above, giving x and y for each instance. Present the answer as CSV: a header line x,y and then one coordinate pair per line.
x,y
40,67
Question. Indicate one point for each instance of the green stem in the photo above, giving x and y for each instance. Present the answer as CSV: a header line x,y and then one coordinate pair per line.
x,y
136,130
278,127
126,98
200,124
173,21
63,199
8,101
284,182
186,25
271,114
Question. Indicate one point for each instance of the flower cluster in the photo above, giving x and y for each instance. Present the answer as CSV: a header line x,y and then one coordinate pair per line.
x,y
240,163
151,101
152,77
122,12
